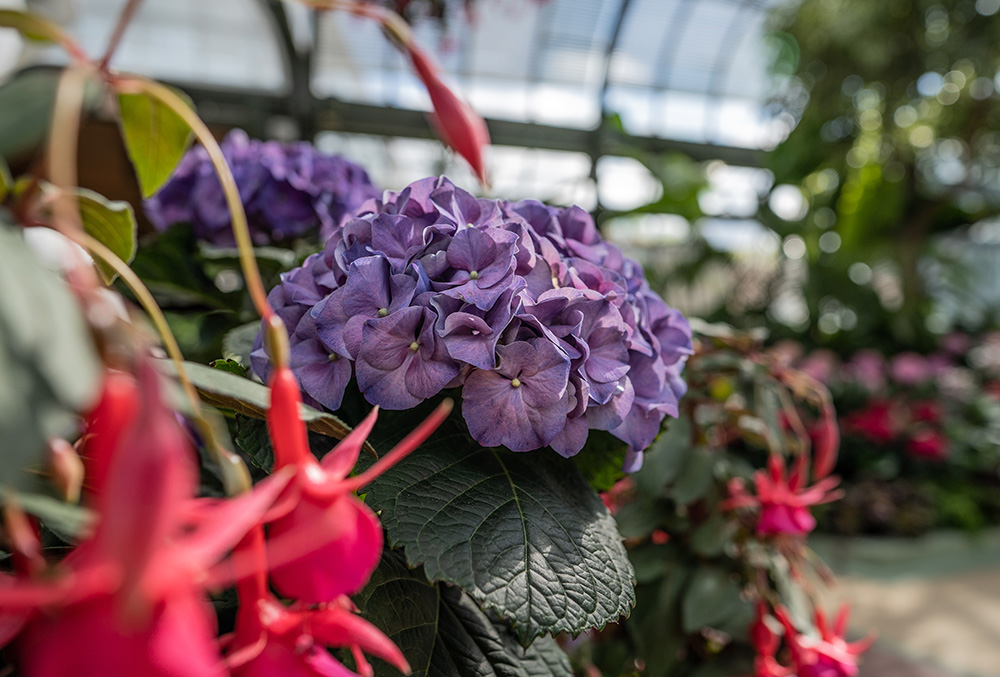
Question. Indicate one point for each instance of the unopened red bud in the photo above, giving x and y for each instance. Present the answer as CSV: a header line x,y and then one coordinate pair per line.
x,y
454,120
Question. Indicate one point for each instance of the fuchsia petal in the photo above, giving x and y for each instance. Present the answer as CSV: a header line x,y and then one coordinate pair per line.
x,y
149,480
353,544
178,640
335,626
288,432
220,525
340,461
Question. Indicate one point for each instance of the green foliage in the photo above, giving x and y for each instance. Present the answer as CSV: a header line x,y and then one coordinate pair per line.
x,y
895,144
155,137
522,534
26,110
49,369
443,633
111,223
224,389
66,520
6,180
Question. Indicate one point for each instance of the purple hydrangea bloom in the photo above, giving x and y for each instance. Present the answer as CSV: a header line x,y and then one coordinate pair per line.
x,y
288,191
549,330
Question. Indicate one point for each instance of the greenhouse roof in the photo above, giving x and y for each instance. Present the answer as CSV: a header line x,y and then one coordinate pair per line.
x,y
688,71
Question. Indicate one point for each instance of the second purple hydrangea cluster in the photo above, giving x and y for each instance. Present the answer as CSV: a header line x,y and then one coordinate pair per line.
x,y
549,330
288,190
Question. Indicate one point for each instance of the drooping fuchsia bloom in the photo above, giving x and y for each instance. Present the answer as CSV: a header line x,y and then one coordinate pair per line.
x,y
829,655
130,599
765,643
272,639
327,511
454,120
783,499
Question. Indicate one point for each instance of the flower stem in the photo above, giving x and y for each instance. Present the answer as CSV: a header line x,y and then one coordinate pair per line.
x,y
123,21
234,471
241,231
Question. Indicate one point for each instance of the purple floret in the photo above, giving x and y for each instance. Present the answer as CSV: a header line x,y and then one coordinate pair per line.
x,y
288,191
549,330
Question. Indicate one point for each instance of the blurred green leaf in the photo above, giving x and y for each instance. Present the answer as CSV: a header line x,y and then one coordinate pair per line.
x,y
237,343
665,459
155,137
112,223
710,598
711,536
32,26
695,478
68,522
26,100
49,369
6,180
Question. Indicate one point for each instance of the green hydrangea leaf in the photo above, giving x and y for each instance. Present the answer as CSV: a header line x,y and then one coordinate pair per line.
x,y
443,633
522,533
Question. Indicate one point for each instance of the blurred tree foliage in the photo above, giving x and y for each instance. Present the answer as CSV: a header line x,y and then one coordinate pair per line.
x,y
898,140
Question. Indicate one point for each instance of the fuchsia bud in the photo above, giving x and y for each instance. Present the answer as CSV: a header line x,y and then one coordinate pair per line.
x,y
826,441
454,120
345,535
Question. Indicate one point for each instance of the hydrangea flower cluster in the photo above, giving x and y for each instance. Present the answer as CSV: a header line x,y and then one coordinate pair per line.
x,y
288,190
550,330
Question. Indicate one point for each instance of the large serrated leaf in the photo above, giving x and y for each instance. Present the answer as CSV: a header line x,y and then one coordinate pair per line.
x,y
443,633
112,223
227,390
49,369
523,534
155,137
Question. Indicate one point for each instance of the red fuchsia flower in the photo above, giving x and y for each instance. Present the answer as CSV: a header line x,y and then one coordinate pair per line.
x,y
828,655
765,643
783,499
327,511
129,600
271,639
877,422
928,443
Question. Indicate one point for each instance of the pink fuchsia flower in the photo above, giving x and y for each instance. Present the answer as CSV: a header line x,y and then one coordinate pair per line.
x,y
783,499
339,536
130,599
928,443
829,655
766,643
271,639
